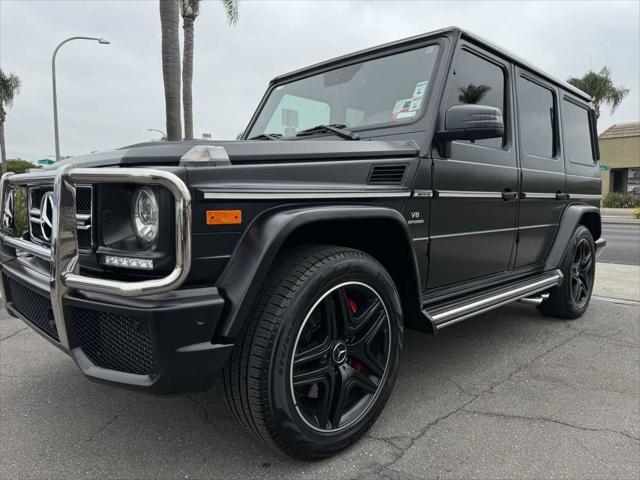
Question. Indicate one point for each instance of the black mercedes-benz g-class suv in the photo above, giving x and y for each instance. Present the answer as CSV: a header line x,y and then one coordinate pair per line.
x,y
414,184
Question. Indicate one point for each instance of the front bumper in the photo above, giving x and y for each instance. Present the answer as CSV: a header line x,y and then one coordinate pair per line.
x,y
160,343
148,334
600,244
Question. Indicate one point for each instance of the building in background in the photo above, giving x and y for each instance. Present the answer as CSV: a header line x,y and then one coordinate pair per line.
x,y
620,158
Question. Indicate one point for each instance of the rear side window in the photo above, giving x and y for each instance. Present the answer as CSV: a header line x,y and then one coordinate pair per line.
x,y
577,133
478,81
537,118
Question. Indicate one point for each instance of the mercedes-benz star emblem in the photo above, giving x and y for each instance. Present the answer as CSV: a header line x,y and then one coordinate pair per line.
x,y
7,215
339,353
46,215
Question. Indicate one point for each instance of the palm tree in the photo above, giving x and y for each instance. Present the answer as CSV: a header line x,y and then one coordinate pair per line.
x,y
600,87
190,10
472,93
9,88
170,22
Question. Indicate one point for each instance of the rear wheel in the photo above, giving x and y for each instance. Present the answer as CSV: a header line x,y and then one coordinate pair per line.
x,y
319,359
571,299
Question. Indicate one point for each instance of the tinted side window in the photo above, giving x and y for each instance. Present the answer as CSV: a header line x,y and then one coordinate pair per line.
x,y
537,118
476,80
577,133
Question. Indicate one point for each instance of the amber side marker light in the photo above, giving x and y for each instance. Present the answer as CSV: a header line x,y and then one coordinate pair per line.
x,y
224,217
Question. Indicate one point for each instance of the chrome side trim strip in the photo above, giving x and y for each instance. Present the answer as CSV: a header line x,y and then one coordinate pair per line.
x,y
423,193
542,171
304,195
455,315
477,232
542,225
453,160
468,194
551,196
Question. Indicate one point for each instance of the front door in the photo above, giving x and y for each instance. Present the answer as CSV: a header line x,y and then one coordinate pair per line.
x,y
473,212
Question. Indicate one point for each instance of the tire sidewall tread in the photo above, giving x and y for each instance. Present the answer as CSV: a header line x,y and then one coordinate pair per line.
x,y
255,376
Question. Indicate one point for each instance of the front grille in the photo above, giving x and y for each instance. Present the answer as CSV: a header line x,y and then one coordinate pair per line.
x,y
114,341
84,208
83,200
34,307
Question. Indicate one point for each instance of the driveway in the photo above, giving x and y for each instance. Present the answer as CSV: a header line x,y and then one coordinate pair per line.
x,y
509,394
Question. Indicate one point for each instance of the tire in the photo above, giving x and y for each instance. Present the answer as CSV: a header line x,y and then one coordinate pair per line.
x,y
571,299
317,301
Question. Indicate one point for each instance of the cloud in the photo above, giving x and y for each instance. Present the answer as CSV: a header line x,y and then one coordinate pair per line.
x,y
110,95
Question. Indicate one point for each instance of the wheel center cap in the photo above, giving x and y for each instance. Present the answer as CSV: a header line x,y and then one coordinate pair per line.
x,y
339,353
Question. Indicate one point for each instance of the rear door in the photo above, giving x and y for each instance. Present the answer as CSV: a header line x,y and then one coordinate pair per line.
x,y
473,212
543,186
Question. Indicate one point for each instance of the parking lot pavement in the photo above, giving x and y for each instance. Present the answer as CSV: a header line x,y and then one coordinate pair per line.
x,y
509,394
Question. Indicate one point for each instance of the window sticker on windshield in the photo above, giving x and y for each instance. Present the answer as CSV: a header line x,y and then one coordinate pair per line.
x,y
415,104
420,89
402,109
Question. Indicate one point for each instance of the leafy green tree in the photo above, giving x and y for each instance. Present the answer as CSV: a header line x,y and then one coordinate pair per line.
x,y
472,93
190,10
600,86
17,165
9,88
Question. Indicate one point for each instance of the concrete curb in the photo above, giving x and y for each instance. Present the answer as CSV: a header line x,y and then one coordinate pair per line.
x,y
619,219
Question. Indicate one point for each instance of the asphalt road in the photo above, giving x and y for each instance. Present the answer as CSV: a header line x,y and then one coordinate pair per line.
x,y
509,394
623,243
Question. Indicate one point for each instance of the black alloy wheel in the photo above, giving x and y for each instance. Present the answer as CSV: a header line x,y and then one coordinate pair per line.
x,y
340,357
582,273
316,364
571,298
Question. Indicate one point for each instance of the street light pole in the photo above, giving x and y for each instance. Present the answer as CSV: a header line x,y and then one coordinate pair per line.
x,y
101,41
164,135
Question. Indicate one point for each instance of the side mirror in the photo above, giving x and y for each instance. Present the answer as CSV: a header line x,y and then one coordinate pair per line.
x,y
471,122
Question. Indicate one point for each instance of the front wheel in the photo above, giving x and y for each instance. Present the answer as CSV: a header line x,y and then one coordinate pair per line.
x,y
571,299
319,358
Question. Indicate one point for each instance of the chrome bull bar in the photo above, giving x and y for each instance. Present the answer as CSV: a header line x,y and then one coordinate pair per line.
x,y
63,254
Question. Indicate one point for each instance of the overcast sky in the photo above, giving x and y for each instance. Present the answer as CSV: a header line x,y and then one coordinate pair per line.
x,y
110,95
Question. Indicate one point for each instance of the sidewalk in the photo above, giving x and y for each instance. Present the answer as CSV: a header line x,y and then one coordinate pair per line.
x,y
617,281
618,215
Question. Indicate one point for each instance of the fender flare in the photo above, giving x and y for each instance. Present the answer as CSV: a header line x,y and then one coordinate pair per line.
x,y
571,218
258,247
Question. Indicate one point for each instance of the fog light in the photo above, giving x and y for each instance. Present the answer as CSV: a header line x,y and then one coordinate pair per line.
x,y
127,262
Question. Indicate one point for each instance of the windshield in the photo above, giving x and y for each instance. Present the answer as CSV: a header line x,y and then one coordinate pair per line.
x,y
385,90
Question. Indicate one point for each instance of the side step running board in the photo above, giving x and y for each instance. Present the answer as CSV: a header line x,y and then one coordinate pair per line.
x,y
444,315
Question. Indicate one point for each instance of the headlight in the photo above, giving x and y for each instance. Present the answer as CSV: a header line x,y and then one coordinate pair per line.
x,y
145,215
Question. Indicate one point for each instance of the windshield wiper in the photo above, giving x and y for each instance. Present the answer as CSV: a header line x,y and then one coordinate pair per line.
x,y
267,136
338,129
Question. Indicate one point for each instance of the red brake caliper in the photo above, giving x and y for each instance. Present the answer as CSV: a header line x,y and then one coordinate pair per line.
x,y
355,364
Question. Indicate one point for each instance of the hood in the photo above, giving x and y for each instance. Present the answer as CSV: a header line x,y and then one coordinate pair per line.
x,y
247,151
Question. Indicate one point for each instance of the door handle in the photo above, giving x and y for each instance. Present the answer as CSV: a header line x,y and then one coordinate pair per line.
x,y
509,195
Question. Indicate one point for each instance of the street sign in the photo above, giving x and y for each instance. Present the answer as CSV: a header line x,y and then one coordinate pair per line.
x,y
46,162
604,168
